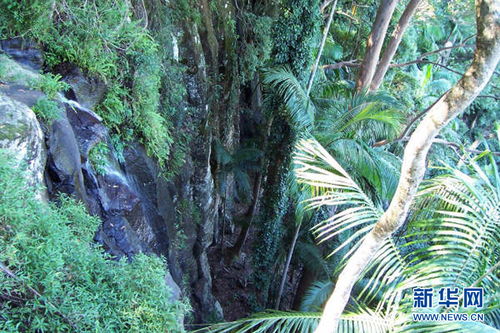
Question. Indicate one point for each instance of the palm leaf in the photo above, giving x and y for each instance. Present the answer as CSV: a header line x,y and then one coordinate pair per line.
x,y
303,322
334,187
385,273
457,246
316,295
300,108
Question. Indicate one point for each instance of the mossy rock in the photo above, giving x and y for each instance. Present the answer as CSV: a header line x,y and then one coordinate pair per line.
x,y
13,72
21,134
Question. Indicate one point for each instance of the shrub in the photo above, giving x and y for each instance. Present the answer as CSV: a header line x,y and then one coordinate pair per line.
x,y
49,251
97,157
50,84
47,109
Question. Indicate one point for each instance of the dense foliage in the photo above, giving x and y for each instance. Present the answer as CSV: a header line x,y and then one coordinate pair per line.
x,y
105,39
216,92
451,239
54,277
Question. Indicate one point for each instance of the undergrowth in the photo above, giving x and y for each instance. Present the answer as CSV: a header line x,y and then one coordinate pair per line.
x,y
54,278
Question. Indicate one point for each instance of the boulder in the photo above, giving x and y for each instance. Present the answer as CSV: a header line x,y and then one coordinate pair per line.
x,y
64,162
85,89
21,134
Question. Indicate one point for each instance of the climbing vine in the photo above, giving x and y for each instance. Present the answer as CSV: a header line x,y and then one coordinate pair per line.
x,y
294,36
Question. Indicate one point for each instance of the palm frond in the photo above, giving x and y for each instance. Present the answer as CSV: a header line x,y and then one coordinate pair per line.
x,y
375,170
311,257
334,187
303,322
316,295
367,117
457,246
300,108
384,274
332,52
465,235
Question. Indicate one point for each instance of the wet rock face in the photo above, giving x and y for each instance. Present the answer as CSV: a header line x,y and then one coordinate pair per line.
x,y
119,237
87,126
87,91
21,134
23,51
64,163
126,229
144,177
127,198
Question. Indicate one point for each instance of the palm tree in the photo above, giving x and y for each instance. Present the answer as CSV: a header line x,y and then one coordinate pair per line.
x,y
348,124
452,241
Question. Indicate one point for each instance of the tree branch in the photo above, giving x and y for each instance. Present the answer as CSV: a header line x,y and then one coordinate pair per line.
x,y
486,58
457,146
322,45
393,45
420,59
463,44
348,63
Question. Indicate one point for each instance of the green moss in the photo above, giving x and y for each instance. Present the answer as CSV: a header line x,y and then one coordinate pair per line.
x,y
11,71
11,132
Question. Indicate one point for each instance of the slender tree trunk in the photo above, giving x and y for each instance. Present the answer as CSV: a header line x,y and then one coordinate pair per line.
x,y
413,168
321,47
374,43
243,235
287,266
393,45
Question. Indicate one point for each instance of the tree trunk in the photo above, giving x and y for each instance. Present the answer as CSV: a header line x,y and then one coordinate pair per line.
x,y
243,235
321,46
392,47
447,107
287,266
374,43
